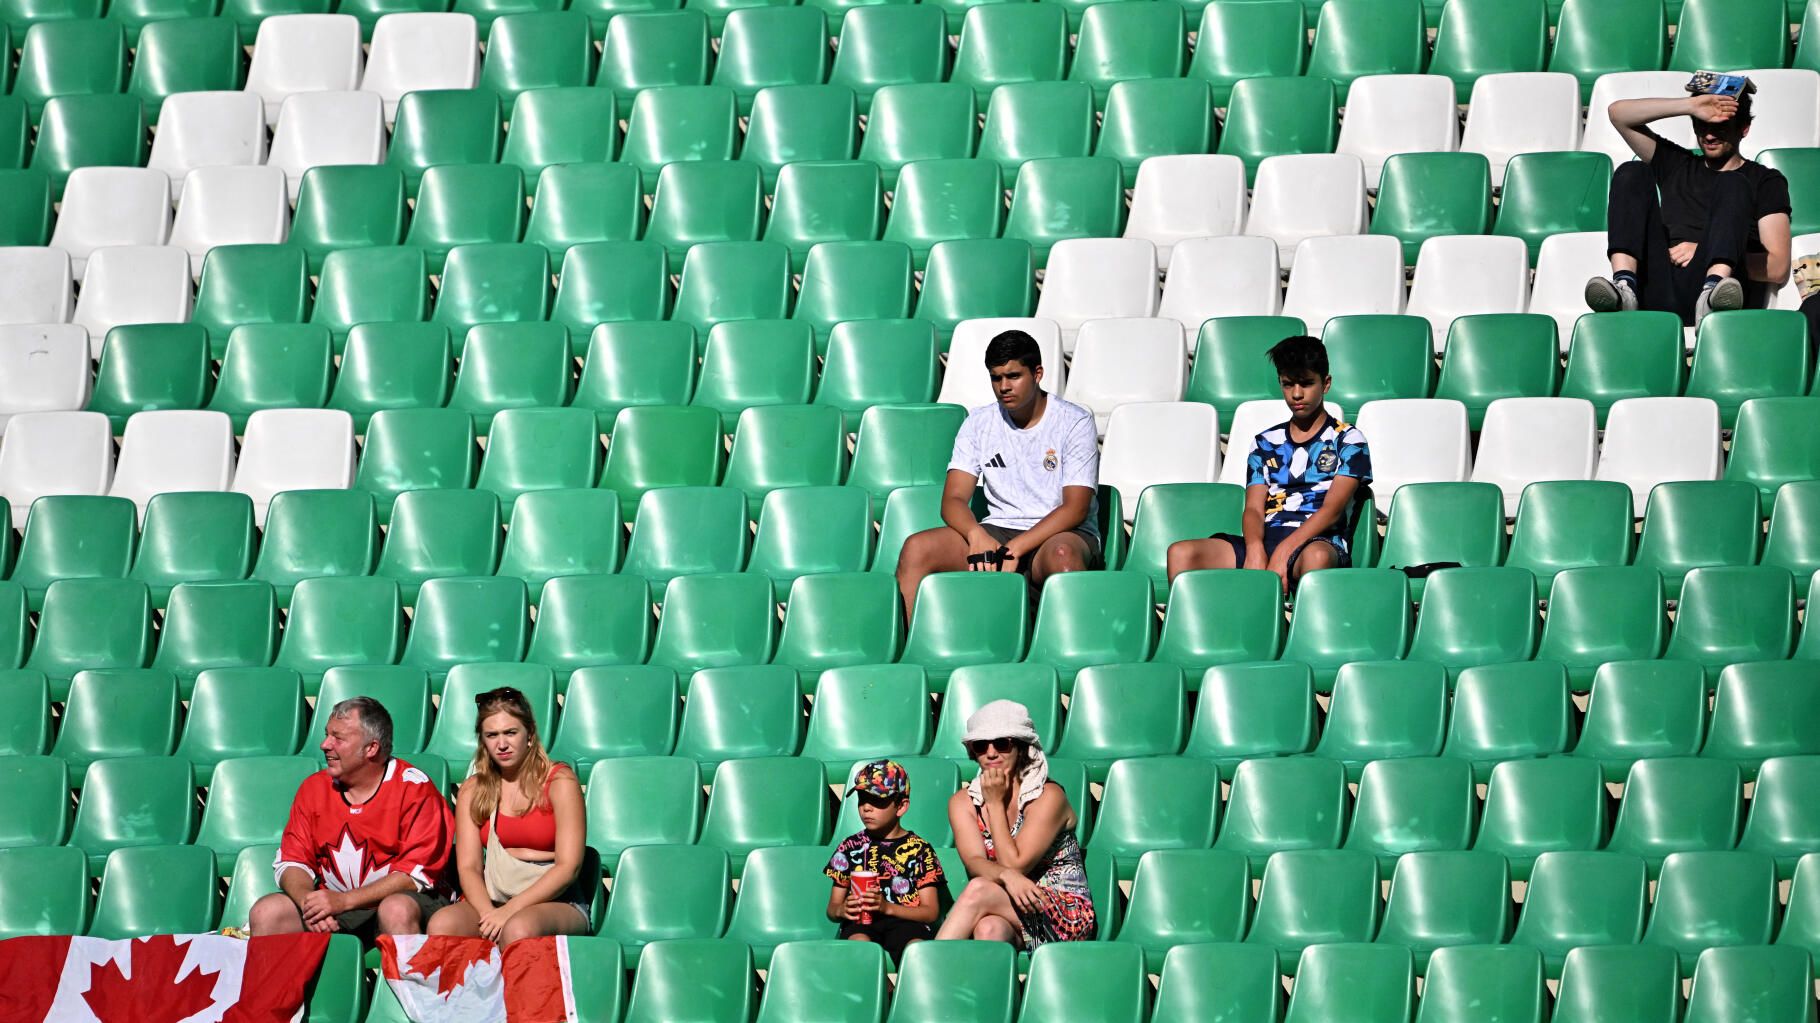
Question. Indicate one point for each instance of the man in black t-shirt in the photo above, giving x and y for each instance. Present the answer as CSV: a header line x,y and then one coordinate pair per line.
x,y
1687,231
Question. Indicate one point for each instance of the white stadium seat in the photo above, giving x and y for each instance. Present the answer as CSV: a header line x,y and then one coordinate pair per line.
x,y
416,51
36,285
1391,114
208,129
327,129
1522,112
1465,274
231,206
965,383
1231,276
1562,267
173,450
1159,442
294,449
1309,195
1659,440
1785,112
1182,197
133,284
1345,276
1126,360
1244,424
1527,440
296,53
46,453
105,206
1097,278
1601,137
1415,440
43,368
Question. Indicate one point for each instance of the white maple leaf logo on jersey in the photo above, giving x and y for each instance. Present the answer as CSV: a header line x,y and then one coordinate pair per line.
x,y
350,867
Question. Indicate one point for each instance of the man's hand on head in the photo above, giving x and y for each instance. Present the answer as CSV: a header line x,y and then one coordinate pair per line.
x,y
1712,109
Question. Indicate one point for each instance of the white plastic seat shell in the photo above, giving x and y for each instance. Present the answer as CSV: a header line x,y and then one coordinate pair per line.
x,y
1659,440
327,129
1415,440
44,367
965,382
1529,440
1391,114
1234,275
1118,361
1465,275
294,449
106,206
1306,195
54,453
1148,443
208,129
1186,196
295,53
1522,112
1098,278
231,206
421,50
1562,268
133,284
1347,275
173,450
37,285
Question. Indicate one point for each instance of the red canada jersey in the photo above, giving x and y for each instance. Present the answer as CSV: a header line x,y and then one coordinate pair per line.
x,y
406,827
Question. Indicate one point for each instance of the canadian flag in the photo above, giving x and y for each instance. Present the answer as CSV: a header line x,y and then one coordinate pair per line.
x,y
441,978
194,978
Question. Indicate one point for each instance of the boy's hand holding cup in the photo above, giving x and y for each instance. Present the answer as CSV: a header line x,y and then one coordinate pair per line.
x,y
865,886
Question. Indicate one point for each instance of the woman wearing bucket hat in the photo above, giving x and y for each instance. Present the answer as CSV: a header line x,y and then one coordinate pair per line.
x,y
1015,832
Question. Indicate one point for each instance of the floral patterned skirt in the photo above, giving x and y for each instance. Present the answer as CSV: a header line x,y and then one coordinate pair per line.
x,y
1064,916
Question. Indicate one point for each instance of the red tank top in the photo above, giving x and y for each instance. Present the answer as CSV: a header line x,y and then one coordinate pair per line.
x,y
535,830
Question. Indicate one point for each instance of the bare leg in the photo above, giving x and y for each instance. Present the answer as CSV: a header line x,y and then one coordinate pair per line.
x,y
1065,552
274,914
979,900
1190,555
1623,261
399,914
543,920
1317,555
460,919
933,550
994,928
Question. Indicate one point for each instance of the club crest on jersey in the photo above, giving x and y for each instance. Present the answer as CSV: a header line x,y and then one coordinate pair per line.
x,y
1050,461
1328,461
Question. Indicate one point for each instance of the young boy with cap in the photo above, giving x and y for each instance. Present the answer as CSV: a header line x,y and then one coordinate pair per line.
x,y
894,910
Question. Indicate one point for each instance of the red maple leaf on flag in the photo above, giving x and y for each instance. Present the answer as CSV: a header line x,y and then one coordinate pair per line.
x,y
453,958
153,994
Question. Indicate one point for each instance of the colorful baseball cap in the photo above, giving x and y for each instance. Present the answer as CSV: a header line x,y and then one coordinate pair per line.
x,y
884,778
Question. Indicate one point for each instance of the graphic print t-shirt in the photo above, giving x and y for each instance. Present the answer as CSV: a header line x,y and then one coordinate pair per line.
x,y
406,828
904,865
1024,471
1299,475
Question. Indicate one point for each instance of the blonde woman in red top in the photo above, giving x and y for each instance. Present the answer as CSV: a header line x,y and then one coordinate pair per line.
x,y
520,833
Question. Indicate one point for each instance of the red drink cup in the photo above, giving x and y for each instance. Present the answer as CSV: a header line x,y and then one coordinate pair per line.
x,y
865,883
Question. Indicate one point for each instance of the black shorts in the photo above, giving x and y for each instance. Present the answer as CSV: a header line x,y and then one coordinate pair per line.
x,y
364,923
1005,534
1342,559
890,932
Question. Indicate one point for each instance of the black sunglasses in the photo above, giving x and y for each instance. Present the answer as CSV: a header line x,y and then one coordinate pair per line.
x,y
977,748
875,800
502,693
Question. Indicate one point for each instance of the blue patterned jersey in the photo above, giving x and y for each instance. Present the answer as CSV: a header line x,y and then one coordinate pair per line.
x,y
1299,475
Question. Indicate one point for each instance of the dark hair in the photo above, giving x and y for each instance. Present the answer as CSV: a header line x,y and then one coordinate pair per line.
x,y
375,721
1743,116
1297,356
1014,346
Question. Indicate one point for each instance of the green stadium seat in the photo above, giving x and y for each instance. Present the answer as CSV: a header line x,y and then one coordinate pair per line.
x,y
119,713
88,131
166,889
919,121
1056,199
346,208
134,801
466,621
563,532
1798,922
1355,38
47,891
1363,982
1775,443
135,15
832,201
816,976
1167,512
1429,195
681,531
863,713
403,691
147,367
27,732
1121,711
1762,710
935,778
965,618
781,901
380,288
249,803
273,365
1633,355
1218,618
1035,120
659,446
1730,982
1628,982
1641,710
1457,522
741,712
754,363
1711,900
1483,37
1581,899
1762,353
1248,711
725,281
465,204
1118,44
1001,44
1709,35
937,980
855,280
889,45
640,801
1534,807
804,530
25,200
1035,686
341,621
1093,618
411,449
1497,355
801,123
1249,987
613,711
567,126
15,628
1599,38
90,624
1439,901
1236,43
438,534
838,620
1359,615
226,624
1385,709
1678,805
453,735
677,123
705,201
1094,980
1563,525
654,48
667,893
1509,712
1792,542
1416,805
1809,650
761,802
532,51
249,13
1473,616
1479,983
1780,824
1185,897
533,450
1279,804
973,278
1553,193
609,282
512,365
907,510
242,712
1315,897
492,282
1733,613
714,621
643,363
250,284
877,362
1376,356
70,58
41,787
591,620
1230,366
946,200
74,537
768,46
438,127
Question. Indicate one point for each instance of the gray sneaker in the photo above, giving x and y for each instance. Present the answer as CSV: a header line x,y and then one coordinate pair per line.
x,y
1722,297
1604,295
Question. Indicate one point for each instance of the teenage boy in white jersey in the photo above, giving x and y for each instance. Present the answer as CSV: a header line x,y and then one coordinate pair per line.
x,y
1038,458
